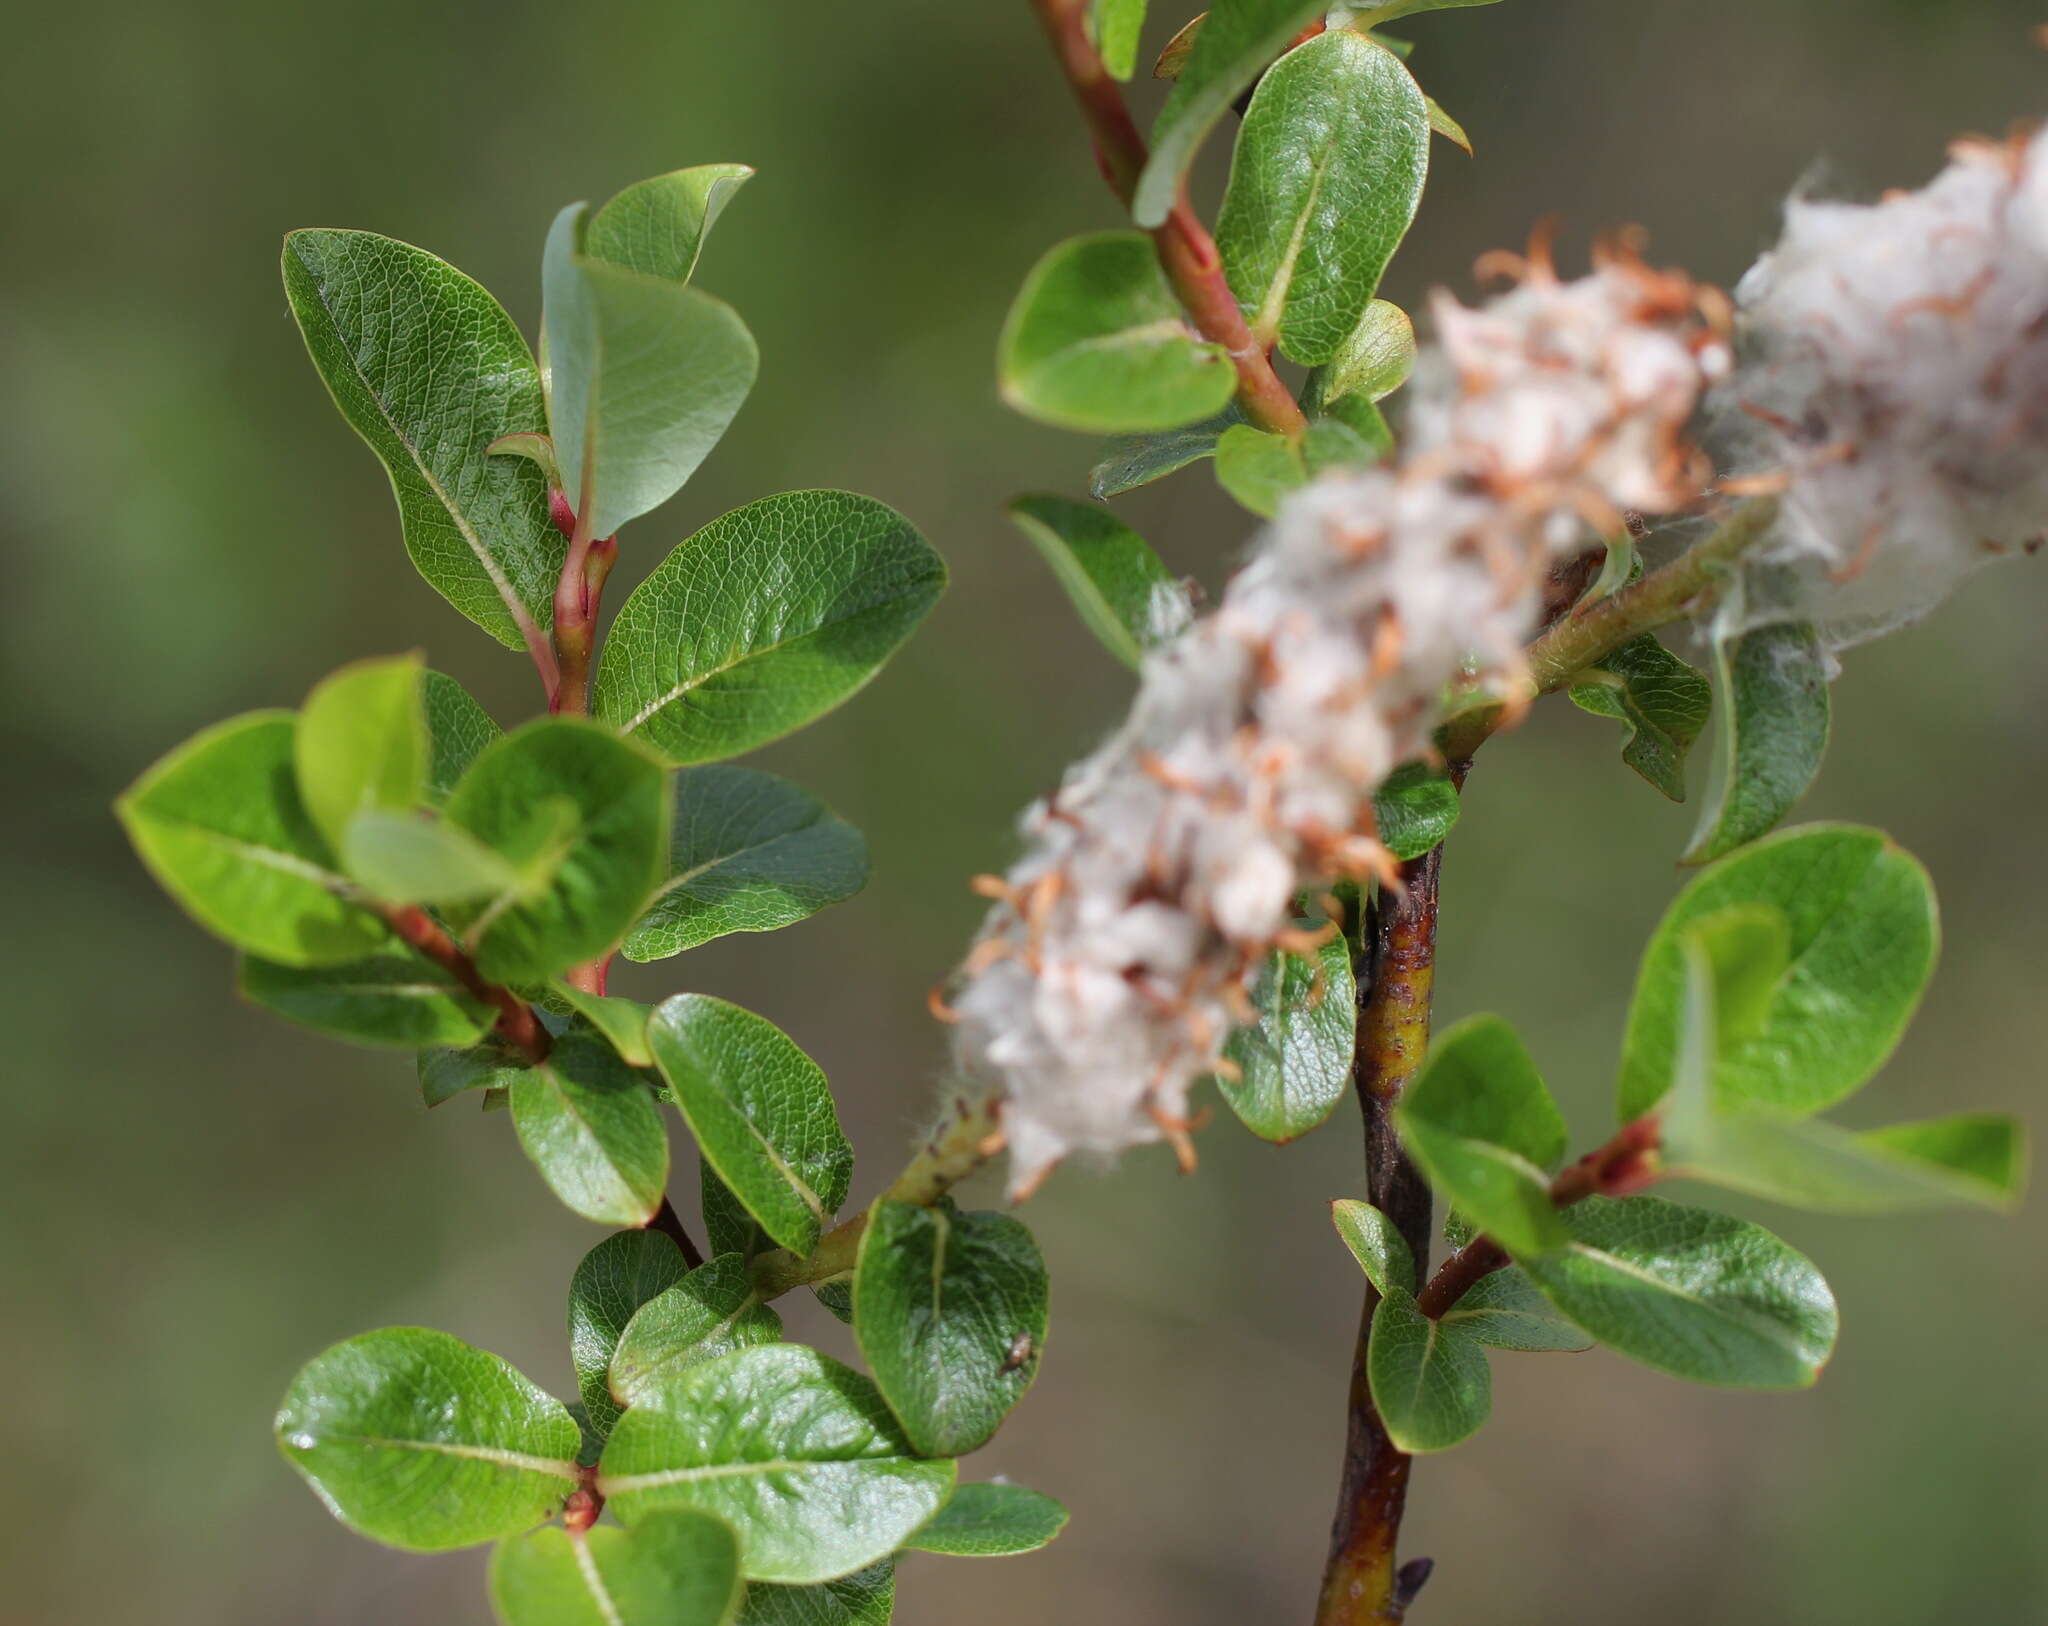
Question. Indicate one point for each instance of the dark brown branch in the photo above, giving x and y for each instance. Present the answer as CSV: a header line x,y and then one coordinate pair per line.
x,y
670,1224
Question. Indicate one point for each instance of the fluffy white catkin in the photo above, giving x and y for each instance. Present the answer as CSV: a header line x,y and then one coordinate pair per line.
x,y
1896,358
1165,870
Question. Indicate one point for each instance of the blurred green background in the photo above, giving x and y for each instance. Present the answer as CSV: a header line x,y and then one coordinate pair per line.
x,y
197,1198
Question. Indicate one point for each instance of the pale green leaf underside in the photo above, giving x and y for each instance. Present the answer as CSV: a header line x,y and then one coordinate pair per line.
x,y
361,743
658,226
1124,594
1381,1253
1775,719
992,1520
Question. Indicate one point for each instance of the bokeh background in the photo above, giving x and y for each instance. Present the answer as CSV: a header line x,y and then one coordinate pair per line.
x,y
198,1198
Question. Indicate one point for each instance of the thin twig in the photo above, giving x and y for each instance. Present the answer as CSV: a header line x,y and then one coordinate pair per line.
x,y
518,1024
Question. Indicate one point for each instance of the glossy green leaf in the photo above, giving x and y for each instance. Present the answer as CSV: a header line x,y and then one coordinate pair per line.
x,y
1127,462
445,1074
1126,596
220,824
1774,730
1480,1122
1327,177
950,1311
1386,1259
1504,1310
412,858
1430,1382
763,621
1116,25
792,1449
1097,341
992,1520
1236,43
1862,936
677,1568
613,1281
1661,703
570,800
1699,1295
415,1439
761,1111
1372,362
1259,469
728,1227
427,367
458,729
1294,1065
588,1123
621,1022
658,226
390,999
644,376
749,853
1415,807
865,1598
361,744
710,1312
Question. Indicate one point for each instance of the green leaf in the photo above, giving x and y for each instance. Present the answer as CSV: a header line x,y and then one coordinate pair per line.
x,y
865,1598
613,1281
1699,1295
429,370
1504,1310
1382,1254
570,800
411,858
458,729
644,376
1294,1065
391,999
1773,733
415,1439
1259,469
1430,1382
761,1112
1863,933
712,1311
538,450
1446,126
1327,177
1126,597
728,1227
950,1311
590,1126
657,227
749,853
993,1520
1235,45
1416,807
1482,1125
1116,25
1373,362
1987,1149
1371,16
362,743
220,825
795,1451
621,1022
764,621
1127,462
445,1074
1661,703
1097,341
671,1569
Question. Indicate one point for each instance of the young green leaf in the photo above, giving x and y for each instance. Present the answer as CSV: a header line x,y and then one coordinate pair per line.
x,y
590,1126
1126,597
1661,703
1326,180
950,1311
1259,469
676,1568
1430,1382
658,226
1096,341
378,316
410,858
361,744
644,376
749,853
792,1449
1235,45
399,1000
994,1520
621,1022
614,1279
763,621
1482,1125
761,1112
1364,14
415,1439
1985,1149
1444,125
1294,1065
1505,1311
1127,462
1415,808
1862,935
445,1074
1386,1259
1774,730
1699,1295
1372,362
220,825
712,1311
1116,25
865,1598
567,800
458,729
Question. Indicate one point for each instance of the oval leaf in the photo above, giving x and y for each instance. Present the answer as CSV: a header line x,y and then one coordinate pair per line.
x,y
1294,1065
396,1000
1126,597
361,743
1775,717
591,1127
611,1283
658,226
1430,1382
991,1521
709,1312
671,1569
866,1598
1381,1251
1504,1310
1416,807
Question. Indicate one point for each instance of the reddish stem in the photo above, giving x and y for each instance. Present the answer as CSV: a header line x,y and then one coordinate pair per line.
x,y
518,1024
